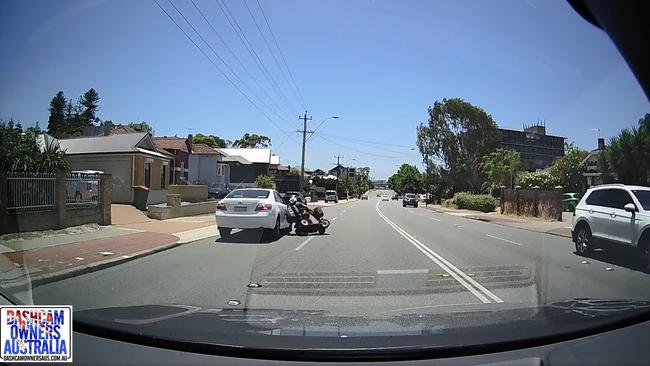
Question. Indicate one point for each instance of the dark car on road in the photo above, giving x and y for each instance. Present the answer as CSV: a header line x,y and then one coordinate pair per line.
x,y
410,199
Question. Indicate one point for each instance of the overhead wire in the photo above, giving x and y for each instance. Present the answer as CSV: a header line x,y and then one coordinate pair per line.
x,y
275,59
234,55
387,157
251,51
284,60
223,74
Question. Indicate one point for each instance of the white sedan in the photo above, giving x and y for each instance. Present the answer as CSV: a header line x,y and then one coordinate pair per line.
x,y
384,198
252,208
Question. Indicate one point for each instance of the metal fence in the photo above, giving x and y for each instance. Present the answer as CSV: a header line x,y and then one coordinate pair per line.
x,y
82,189
27,192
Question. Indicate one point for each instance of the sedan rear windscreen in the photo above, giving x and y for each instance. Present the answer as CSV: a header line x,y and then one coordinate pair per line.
x,y
248,193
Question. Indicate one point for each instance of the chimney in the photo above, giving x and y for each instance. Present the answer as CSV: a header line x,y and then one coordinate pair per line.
x,y
601,143
189,142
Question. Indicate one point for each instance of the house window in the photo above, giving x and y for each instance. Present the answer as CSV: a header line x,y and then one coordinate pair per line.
x,y
163,178
220,170
147,175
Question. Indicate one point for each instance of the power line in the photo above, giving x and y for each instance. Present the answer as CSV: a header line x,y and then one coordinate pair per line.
x,y
284,60
232,53
387,157
225,76
222,60
275,59
364,141
251,51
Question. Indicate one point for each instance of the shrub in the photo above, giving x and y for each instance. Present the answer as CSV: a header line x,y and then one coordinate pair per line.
x,y
478,202
264,181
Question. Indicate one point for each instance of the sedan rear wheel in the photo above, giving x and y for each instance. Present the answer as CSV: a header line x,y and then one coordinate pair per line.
x,y
273,234
644,252
224,232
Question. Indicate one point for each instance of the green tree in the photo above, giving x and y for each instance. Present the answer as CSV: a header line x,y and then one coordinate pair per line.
x,y
56,123
252,141
407,179
460,134
264,181
19,151
627,156
500,168
89,101
544,180
210,140
568,170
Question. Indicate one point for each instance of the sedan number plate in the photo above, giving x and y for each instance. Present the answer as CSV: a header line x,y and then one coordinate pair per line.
x,y
240,208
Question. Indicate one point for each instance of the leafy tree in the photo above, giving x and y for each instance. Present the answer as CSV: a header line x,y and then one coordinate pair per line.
x,y
19,151
89,101
52,158
460,134
544,180
210,140
408,179
362,180
500,167
628,155
568,170
56,123
140,126
252,141
264,181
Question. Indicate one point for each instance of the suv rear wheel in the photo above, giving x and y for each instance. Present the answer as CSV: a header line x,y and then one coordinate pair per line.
x,y
584,244
644,252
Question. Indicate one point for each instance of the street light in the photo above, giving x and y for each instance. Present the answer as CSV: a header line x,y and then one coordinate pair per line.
x,y
301,180
319,124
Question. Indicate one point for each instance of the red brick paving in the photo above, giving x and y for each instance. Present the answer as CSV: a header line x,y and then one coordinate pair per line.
x,y
61,257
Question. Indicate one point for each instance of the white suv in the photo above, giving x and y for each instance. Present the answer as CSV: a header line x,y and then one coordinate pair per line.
x,y
616,214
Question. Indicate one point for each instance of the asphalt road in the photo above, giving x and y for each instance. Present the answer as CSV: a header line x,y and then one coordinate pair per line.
x,y
377,258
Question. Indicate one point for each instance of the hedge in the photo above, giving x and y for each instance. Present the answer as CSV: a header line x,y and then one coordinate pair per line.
x,y
478,202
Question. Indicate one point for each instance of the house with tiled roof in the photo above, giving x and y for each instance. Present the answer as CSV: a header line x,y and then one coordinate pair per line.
x,y
180,148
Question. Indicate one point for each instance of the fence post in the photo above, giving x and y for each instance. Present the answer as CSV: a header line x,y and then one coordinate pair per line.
x,y
517,200
536,201
60,197
4,224
105,198
501,204
558,201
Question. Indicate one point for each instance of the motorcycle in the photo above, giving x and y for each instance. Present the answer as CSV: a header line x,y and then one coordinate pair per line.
x,y
306,220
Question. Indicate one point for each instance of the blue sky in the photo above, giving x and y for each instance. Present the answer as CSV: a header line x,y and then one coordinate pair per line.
x,y
376,64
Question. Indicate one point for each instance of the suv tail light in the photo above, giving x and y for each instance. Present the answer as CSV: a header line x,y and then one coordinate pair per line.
x,y
221,206
263,207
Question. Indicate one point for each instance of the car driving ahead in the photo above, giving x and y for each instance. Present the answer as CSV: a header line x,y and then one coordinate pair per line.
x,y
410,199
252,208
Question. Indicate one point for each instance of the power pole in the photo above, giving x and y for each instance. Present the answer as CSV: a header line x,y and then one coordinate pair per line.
x,y
301,181
338,170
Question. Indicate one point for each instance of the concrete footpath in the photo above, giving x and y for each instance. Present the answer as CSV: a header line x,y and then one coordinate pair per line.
x,y
560,228
55,254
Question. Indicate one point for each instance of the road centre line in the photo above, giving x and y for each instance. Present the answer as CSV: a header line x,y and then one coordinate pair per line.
x,y
303,243
433,218
470,284
334,218
506,240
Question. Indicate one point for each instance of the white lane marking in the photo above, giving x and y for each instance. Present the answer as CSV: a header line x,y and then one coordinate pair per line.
x,y
470,284
303,243
433,218
506,240
334,218
401,271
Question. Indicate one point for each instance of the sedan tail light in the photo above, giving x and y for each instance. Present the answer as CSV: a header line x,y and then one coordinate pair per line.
x,y
221,206
263,207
